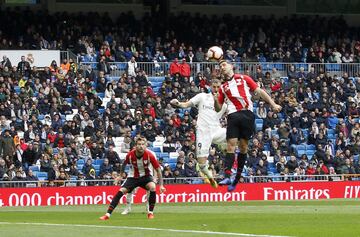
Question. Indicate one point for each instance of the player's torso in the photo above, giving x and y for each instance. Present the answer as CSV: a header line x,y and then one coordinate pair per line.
x,y
207,115
238,95
139,167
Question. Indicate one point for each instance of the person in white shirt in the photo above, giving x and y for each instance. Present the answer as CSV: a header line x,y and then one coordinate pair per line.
x,y
208,128
132,65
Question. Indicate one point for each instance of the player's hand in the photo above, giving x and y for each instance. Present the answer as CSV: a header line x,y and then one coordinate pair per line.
x,y
276,108
174,102
162,189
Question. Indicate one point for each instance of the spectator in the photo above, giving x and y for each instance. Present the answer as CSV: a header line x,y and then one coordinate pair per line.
x,y
132,66
185,70
175,67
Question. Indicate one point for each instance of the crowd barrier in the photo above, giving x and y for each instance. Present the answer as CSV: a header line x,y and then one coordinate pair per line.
x,y
162,68
182,193
180,180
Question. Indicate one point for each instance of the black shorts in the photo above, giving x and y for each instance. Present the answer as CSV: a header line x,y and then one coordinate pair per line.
x,y
131,183
240,124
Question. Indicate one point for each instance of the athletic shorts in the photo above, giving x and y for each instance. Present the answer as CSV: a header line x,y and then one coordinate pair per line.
x,y
240,124
205,136
131,183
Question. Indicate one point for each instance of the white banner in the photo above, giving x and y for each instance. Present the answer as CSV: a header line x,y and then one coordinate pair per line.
x,y
38,58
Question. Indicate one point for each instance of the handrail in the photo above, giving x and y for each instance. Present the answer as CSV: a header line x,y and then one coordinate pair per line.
x,y
184,180
162,68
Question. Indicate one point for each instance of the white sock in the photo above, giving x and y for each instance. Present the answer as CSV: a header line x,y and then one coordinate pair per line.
x,y
129,199
205,170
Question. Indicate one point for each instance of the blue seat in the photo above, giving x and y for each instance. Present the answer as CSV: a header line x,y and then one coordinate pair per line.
x,y
121,66
310,147
69,100
258,124
80,167
80,162
101,95
34,168
155,149
41,175
41,117
172,166
279,66
101,111
172,160
17,89
55,150
310,153
300,147
332,67
331,136
99,162
164,155
156,79
299,153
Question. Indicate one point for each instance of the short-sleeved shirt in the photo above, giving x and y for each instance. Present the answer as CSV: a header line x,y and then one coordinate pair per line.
x,y
141,166
237,91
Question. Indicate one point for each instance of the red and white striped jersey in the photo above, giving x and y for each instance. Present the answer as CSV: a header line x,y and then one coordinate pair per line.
x,y
142,166
237,93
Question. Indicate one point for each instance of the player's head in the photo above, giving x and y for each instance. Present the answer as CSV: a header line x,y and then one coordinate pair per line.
x,y
226,69
215,84
140,144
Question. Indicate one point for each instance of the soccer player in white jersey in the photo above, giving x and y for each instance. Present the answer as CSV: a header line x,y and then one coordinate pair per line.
x,y
208,128
236,93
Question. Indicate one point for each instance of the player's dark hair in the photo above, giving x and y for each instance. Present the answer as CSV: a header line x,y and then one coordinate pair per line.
x,y
140,138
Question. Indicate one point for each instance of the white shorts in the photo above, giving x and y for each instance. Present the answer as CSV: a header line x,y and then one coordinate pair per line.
x,y
206,136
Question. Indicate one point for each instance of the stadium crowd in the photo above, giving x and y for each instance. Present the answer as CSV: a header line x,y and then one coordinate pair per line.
x,y
55,119
247,39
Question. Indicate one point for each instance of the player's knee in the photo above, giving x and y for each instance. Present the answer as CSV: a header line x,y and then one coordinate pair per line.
x,y
124,190
243,146
202,160
151,187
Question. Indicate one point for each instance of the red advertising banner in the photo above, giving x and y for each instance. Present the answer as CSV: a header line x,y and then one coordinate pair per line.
x,y
181,193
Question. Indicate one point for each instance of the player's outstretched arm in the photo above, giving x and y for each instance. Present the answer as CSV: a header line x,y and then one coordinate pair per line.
x,y
275,107
177,103
161,181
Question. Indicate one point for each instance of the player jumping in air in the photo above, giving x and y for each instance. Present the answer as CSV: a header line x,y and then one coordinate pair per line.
x,y
208,128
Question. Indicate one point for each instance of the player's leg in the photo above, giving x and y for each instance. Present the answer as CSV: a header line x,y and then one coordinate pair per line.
x,y
203,143
114,203
151,187
232,134
246,133
127,187
129,201
241,160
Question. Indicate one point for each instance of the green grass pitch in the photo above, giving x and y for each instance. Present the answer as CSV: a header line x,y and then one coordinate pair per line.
x,y
266,218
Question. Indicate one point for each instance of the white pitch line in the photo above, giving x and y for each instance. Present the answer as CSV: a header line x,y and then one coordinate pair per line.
x,y
141,228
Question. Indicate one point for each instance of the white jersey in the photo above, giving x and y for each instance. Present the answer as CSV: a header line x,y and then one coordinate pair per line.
x,y
207,115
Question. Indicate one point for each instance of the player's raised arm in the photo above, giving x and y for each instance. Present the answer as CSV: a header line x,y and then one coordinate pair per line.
x,y
177,103
275,107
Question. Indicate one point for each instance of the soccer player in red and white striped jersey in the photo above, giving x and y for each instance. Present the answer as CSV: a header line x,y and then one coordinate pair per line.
x,y
141,162
236,93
